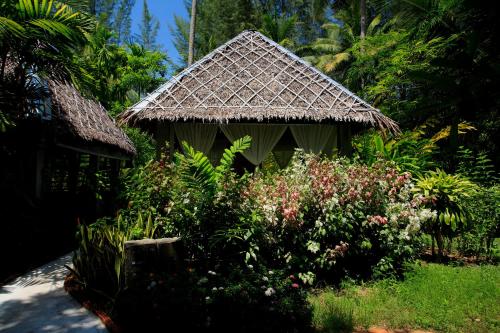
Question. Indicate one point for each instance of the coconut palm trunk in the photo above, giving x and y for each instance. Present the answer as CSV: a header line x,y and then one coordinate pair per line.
x,y
362,18
192,28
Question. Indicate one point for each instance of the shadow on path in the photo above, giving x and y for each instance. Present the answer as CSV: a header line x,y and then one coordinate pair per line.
x,y
37,302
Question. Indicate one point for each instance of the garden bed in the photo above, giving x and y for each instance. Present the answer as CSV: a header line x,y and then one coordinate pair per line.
x,y
432,298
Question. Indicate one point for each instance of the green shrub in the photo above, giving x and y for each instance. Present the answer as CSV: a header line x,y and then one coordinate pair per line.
x,y
478,168
409,151
99,258
317,220
444,193
146,190
484,222
143,144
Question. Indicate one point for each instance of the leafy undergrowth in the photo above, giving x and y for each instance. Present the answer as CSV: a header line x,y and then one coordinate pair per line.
x,y
432,296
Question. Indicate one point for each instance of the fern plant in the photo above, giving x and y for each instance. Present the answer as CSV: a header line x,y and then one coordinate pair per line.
x,y
478,168
198,172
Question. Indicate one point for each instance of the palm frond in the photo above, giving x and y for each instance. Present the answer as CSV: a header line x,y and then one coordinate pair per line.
x,y
10,27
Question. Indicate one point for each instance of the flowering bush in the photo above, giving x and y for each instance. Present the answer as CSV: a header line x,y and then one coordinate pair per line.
x,y
146,189
316,219
329,218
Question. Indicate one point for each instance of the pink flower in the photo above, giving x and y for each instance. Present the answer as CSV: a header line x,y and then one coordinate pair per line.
x,y
378,219
295,285
292,277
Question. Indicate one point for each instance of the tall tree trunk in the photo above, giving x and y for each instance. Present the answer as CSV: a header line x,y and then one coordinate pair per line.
x,y
192,27
362,18
362,31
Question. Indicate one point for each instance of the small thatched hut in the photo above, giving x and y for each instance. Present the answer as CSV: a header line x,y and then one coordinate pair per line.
x,y
251,85
60,166
84,125
63,141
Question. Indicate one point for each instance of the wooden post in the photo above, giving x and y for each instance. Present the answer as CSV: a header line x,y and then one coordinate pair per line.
x,y
345,140
92,185
114,173
40,161
171,142
161,136
74,167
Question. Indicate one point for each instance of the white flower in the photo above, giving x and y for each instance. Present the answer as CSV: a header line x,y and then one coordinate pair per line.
x,y
269,292
250,266
265,278
214,289
212,273
207,298
221,288
271,272
202,281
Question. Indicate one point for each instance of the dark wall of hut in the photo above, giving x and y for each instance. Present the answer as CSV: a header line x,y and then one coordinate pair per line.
x,y
45,191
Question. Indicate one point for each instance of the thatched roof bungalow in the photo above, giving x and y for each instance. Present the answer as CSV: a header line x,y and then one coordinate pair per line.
x,y
252,85
63,137
60,167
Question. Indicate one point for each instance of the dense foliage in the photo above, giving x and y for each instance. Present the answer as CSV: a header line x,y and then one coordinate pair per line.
x,y
263,236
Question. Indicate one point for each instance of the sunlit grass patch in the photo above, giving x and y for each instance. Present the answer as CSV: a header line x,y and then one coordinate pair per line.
x,y
434,297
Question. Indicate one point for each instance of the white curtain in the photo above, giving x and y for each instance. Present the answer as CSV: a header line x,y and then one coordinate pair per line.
x,y
200,136
264,138
283,157
312,138
332,143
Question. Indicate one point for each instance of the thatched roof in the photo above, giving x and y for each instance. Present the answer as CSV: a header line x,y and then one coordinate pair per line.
x,y
86,119
252,78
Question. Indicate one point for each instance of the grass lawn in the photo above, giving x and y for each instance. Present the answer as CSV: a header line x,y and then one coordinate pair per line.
x,y
432,296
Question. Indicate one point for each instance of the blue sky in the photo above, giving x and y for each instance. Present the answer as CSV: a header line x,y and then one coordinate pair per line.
x,y
164,11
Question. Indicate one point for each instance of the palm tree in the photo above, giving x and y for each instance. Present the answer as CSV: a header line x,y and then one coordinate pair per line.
x,y
362,18
332,52
98,63
279,29
37,38
192,27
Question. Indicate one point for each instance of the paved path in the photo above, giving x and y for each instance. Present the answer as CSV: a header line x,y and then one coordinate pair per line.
x,y
37,302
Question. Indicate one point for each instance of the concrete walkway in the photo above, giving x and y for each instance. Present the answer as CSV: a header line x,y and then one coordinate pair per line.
x,y
37,302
